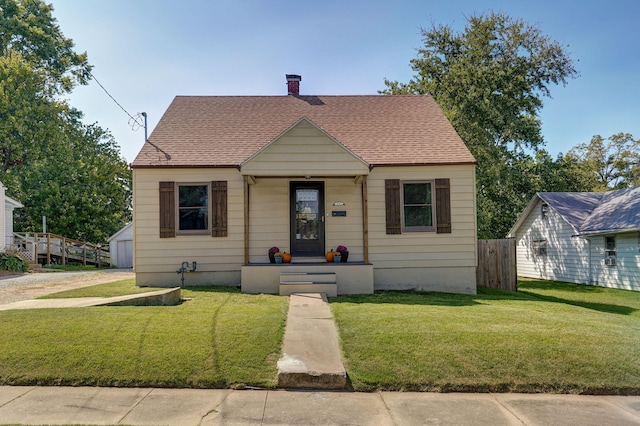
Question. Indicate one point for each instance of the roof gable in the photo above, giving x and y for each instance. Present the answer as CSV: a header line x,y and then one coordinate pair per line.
x,y
304,149
591,213
225,131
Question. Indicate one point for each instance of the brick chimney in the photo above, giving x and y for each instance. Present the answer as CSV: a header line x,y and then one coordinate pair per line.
x,y
293,84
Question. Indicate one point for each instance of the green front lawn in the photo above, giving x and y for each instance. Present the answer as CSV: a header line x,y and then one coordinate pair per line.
x,y
549,337
112,289
219,338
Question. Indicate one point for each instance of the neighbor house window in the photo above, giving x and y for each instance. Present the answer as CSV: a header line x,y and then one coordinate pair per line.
x,y
418,206
193,208
610,251
544,210
540,247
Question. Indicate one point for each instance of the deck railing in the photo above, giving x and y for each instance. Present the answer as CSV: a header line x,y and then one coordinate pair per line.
x,y
47,248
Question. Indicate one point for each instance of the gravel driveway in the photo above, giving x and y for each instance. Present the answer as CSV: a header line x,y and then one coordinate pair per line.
x,y
32,285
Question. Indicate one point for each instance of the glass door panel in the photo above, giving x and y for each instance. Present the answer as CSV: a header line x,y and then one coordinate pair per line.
x,y
307,218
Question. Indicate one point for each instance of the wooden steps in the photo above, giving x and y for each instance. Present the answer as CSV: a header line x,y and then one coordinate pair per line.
x,y
308,282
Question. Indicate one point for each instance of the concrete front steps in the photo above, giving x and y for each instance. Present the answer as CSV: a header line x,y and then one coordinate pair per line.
x,y
311,356
308,282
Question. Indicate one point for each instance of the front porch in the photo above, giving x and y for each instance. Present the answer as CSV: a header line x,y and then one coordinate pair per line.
x,y
308,277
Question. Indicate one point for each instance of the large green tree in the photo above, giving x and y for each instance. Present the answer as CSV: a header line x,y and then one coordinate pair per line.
x,y
610,163
53,163
490,80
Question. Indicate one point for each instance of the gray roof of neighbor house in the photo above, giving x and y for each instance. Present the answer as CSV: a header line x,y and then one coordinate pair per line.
x,y
223,131
592,213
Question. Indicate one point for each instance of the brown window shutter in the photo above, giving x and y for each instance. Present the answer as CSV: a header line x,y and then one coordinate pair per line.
x,y
443,206
167,210
219,208
392,205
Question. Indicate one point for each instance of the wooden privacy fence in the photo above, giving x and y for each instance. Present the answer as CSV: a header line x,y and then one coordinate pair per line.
x,y
497,264
45,248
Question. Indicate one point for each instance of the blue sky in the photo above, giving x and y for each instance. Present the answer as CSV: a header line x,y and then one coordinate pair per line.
x,y
145,52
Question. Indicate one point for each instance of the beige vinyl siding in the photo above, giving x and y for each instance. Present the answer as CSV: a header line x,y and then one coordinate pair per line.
x,y
155,255
567,255
269,216
626,273
304,150
424,249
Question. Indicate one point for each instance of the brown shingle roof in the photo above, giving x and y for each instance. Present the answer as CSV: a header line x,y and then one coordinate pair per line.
x,y
219,131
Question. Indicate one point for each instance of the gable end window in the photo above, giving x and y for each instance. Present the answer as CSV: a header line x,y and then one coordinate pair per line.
x,y
417,206
544,210
193,209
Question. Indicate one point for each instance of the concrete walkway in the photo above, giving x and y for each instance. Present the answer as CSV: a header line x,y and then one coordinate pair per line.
x,y
136,406
311,356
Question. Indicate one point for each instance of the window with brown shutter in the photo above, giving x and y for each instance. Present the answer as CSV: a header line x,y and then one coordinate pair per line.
x,y
392,206
415,206
167,210
443,206
219,207
193,209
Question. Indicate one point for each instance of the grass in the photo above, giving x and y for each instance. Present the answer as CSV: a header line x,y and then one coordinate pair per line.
x,y
76,267
112,289
218,339
549,337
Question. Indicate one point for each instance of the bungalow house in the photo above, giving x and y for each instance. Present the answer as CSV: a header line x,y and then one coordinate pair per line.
x,y
222,179
7,205
581,237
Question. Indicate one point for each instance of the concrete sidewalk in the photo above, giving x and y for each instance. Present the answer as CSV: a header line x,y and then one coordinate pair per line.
x,y
136,406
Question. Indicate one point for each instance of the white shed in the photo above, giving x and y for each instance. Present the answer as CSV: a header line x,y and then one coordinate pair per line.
x,y
7,205
121,247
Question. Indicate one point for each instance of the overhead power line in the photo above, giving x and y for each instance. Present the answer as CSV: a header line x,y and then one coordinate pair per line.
x,y
134,121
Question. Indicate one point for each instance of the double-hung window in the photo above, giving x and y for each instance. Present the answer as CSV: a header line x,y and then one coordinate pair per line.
x,y
193,208
418,202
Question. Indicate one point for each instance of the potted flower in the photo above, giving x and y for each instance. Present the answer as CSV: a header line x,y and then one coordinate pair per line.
x,y
277,257
272,251
344,253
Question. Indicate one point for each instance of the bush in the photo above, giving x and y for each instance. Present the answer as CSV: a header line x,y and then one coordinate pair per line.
x,y
11,262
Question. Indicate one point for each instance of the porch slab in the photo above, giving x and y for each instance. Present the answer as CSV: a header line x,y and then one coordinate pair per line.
x,y
351,278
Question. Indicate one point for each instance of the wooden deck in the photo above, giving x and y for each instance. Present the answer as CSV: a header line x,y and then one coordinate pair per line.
x,y
48,249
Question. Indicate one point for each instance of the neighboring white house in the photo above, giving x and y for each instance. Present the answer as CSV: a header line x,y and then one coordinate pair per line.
x,y
581,237
121,247
7,205
223,178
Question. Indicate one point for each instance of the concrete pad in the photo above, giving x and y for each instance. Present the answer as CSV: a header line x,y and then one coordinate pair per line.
x,y
567,410
78,302
168,297
311,356
325,408
9,393
630,403
413,408
244,407
69,405
175,406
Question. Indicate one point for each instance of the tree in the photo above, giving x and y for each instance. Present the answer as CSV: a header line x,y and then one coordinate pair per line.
x,y
611,163
84,190
489,81
29,28
53,163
